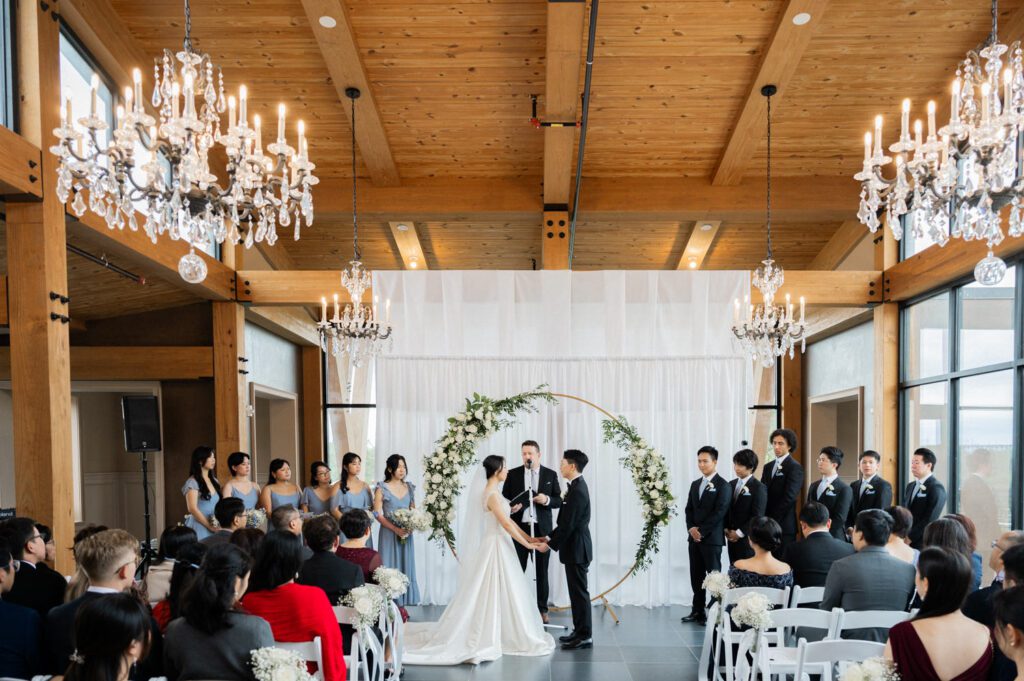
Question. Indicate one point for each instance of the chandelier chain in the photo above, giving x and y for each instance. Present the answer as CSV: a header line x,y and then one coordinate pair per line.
x,y
355,214
768,210
993,39
188,27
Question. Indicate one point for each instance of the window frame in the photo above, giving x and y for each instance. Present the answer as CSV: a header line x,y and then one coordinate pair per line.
x,y
9,66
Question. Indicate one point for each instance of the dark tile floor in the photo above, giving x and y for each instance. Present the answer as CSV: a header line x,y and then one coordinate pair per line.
x,y
647,645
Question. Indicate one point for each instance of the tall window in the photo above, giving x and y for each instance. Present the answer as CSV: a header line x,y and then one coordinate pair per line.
x,y
962,380
350,416
76,72
7,81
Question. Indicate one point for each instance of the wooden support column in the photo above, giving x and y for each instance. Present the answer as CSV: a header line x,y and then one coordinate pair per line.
x,y
887,371
554,250
230,393
37,266
313,406
793,401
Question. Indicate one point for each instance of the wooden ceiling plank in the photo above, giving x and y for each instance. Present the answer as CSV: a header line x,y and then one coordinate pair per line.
x,y
781,58
340,51
407,241
299,287
701,239
842,243
561,96
939,266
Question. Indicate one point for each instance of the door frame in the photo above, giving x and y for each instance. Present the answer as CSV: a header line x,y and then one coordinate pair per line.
x,y
266,391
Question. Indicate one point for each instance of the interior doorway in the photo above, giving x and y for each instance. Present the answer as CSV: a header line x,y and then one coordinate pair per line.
x,y
274,425
836,419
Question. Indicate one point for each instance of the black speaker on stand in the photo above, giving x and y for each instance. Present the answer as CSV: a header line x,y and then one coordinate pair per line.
x,y
141,415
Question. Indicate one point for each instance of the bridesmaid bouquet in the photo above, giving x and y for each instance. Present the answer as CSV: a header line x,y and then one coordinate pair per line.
x,y
256,517
412,519
872,669
367,601
276,664
394,582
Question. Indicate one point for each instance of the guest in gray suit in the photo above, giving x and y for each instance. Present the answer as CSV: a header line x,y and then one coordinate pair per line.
x,y
872,578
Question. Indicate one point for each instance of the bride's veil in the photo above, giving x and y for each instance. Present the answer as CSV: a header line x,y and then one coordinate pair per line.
x,y
471,531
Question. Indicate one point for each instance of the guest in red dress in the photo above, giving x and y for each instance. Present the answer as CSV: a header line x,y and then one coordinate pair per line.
x,y
296,613
920,647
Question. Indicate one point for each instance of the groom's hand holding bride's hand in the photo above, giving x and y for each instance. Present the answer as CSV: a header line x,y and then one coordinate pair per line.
x,y
540,544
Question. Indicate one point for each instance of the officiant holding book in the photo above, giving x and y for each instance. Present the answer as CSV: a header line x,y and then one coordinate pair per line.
x,y
532,491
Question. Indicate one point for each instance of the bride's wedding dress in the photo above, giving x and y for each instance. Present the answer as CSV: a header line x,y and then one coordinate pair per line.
x,y
493,612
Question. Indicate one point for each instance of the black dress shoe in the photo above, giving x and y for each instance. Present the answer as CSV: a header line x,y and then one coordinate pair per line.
x,y
694,617
567,637
578,644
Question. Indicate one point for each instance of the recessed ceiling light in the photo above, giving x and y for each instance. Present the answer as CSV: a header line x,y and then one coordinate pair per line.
x,y
801,19
328,22
402,227
706,227
413,263
693,264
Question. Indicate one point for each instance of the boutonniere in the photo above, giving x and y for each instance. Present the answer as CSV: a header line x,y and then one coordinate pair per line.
x,y
867,486
710,487
922,490
831,489
745,492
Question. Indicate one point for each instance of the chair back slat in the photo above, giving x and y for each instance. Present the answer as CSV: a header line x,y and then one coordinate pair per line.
x,y
872,619
835,652
806,594
308,651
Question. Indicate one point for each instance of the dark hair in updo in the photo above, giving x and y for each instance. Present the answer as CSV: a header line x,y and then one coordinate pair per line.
x,y
766,533
493,464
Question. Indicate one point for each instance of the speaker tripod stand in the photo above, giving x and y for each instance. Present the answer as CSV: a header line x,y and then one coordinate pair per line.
x,y
532,558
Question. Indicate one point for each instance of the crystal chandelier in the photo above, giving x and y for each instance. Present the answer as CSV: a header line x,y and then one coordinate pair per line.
x,y
358,332
766,330
162,165
954,182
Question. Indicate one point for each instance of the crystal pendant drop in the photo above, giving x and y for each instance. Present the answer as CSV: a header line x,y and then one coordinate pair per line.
x,y
990,270
192,268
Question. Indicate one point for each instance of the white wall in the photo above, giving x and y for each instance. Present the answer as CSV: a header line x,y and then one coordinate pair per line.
x,y
841,362
273,361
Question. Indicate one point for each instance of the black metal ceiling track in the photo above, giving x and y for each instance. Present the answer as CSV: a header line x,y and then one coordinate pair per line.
x,y
583,127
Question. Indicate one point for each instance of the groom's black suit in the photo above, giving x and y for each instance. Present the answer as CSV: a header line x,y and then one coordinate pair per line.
x,y
547,484
571,538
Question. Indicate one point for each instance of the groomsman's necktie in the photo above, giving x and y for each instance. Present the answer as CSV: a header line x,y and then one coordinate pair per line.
x,y
863,484
703,486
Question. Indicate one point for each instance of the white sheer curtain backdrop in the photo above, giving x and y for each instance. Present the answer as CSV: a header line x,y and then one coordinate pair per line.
x,y
651,346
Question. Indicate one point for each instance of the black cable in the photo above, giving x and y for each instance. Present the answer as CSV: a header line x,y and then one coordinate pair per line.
x,y
583,128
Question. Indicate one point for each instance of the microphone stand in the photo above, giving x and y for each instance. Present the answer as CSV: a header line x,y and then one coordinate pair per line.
x,y
533,552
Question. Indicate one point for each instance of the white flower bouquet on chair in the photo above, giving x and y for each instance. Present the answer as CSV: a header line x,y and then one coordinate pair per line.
x,y
716,584
394,582
367,601
277,664
872,669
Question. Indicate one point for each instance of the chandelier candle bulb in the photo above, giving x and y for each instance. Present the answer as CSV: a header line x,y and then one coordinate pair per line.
x,y
1007,89
95,86
867,147
231,113
337,315
905,122
878,136
931,121
387,311
323,309
801,309
243,96
258,148
986,106
190,97
917,136
280,123
954,113
175,94
119,116
137,81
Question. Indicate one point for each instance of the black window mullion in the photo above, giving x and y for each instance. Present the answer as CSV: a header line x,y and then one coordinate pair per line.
x,y
953,406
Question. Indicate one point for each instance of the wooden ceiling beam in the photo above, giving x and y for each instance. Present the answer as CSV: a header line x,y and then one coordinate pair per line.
x,y
19,166
939,266
681,199
344,62
781,57
407,240
699,244
131,363
828,288
561,96
298,287
842,243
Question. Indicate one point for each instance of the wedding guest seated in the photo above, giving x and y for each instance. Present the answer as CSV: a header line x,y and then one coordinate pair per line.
x,y
20,627
158,578
38,586
921,648
185,568
335,576
356,526
948,534
109,559
1008,562
296,612
870,579
812,557
899,542
230,515
248,539
763,569
288,519
214,637
51,546
1009,627
79,583
972,541
113,636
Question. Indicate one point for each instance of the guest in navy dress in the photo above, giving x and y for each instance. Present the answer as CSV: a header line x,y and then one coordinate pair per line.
x,y
353,493
320,496
202,492
279,490
241,485
396,546
763,569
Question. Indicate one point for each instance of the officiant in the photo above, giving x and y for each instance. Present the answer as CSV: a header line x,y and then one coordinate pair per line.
x,y
533,490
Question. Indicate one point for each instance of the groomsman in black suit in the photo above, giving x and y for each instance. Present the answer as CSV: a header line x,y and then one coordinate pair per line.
x,y
546,496
925,496
748,499
706,508
831,492
784,479
870,491
571,538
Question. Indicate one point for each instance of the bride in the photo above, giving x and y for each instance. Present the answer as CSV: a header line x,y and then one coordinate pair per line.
x,y
494,611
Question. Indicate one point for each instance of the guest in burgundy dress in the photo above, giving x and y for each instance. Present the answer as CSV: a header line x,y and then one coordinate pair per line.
x,y
920,648
1009,625
355,525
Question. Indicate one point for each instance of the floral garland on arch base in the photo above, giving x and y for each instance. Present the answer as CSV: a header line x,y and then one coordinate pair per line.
x,y
456,451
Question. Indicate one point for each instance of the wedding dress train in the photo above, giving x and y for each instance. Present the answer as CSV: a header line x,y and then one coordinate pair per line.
x,y
493,611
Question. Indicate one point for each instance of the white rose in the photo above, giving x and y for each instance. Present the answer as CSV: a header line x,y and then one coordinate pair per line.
x,y
431,498
654,494
459,438
471,428
443,504
642,444
460,417
479,414
363,605
659,484
436,477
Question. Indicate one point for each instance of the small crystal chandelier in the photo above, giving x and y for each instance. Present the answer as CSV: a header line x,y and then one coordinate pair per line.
x,y
170,180
767,330
358,331
954,183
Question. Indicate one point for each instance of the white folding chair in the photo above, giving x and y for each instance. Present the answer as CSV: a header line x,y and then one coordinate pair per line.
x,y
726,636
709,641
366,654
775,655
393,628
827,654
870,619
806,594
309,651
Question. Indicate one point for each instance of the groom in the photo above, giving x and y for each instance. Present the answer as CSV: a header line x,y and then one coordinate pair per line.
x,y
571,538
536,509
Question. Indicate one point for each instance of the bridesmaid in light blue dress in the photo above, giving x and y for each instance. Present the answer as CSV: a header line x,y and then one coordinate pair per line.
x,y
279,490
353,492
241,485
321,496
392,494
202,492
